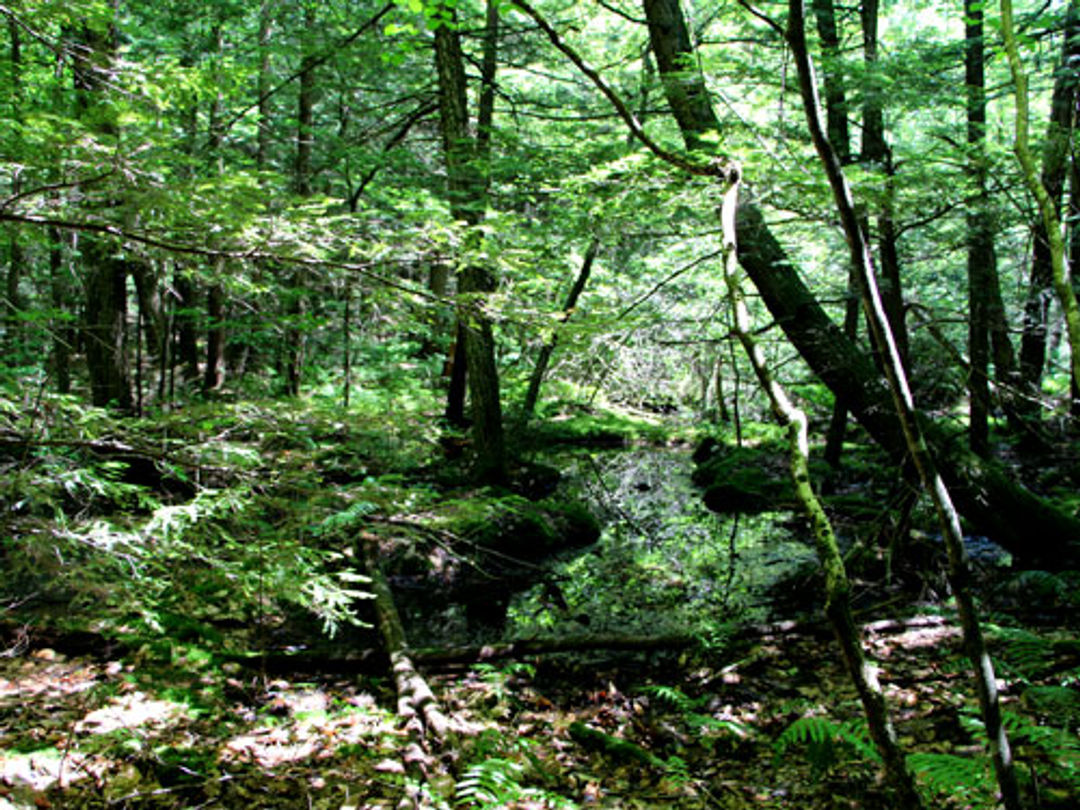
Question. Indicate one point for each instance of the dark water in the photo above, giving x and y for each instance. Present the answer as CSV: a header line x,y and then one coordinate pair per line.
x,y
665,563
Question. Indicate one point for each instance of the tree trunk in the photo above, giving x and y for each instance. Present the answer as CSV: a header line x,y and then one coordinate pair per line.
x,y
62,336
105,318
148,293
457,367
875,152
683,85
262,142
836,107
214,373
1054,165
981,256
836,111
105,326
15,255
542,360
468,198
186,320
292,360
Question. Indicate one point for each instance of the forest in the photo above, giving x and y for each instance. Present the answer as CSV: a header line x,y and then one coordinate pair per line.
x,y
539,404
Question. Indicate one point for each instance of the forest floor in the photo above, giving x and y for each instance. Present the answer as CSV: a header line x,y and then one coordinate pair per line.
x,y
768,722
163,596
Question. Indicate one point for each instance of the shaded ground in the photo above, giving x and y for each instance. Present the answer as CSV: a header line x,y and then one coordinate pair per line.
x,y
717,729
176,715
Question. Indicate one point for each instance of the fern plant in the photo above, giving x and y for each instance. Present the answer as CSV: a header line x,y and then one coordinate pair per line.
x,y
694,713
495,782
950,776
1024,655
827,742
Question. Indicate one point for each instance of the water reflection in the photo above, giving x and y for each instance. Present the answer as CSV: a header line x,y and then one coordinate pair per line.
x,y
665,563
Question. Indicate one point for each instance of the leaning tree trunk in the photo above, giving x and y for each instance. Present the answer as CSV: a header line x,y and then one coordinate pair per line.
x,y
900,393
837,585
536,379
1045,281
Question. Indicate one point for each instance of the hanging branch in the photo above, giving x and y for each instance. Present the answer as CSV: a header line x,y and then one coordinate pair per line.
x,y
949,519
715,168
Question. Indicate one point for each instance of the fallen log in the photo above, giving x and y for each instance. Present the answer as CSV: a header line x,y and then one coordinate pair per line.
x,y
417,704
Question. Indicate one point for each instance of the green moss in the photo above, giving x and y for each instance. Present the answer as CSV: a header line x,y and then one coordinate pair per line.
x,y
515,525
607,426
744,479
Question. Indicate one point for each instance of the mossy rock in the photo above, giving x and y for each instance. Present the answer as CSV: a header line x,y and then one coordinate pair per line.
x,y
531,530
744,479
497,540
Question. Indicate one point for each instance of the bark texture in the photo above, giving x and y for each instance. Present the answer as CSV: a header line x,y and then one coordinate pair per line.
x,y
1043,284
468,198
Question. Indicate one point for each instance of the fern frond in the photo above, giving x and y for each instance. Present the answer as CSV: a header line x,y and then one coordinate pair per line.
x,y
948,775
825,739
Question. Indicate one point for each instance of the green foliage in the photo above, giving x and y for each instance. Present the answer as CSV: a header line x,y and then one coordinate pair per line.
x,y
827,741
499,678
693,711
950,776
1024,655
496,780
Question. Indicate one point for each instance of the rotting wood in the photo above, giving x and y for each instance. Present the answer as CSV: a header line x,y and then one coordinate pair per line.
x,y
417,704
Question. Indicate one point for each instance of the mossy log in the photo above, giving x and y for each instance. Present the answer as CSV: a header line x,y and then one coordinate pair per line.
x,y
416,701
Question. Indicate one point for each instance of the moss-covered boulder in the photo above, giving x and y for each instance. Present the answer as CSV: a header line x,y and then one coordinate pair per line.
x,y
529,530
477,550
747,479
